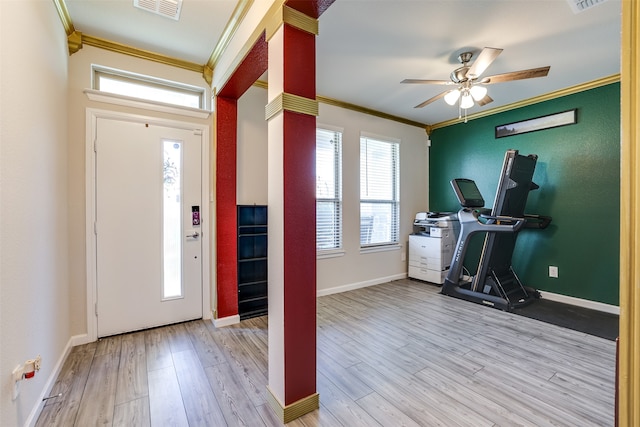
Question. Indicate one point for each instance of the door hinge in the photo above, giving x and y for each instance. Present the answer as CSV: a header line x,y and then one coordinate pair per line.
x,y
96,309
95,228
95,145
197,132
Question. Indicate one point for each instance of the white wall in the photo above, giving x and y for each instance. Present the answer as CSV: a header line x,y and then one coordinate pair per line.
x,y
34,288
79,80
355,269
252,148
352,269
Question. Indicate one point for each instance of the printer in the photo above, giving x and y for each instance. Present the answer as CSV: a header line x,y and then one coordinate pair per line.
x,y
428,223
431,245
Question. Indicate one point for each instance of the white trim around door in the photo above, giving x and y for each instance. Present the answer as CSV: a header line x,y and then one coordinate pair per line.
x,y
92,116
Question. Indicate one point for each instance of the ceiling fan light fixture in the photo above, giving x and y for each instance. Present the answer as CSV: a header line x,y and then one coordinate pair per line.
x,y
478,92
466,101
452,97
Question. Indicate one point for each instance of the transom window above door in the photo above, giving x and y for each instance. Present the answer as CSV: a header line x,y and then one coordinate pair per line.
x,y
147,88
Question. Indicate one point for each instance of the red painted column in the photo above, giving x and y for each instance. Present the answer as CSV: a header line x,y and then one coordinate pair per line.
x,y
226,122
226,219
299,219
292,221
299,256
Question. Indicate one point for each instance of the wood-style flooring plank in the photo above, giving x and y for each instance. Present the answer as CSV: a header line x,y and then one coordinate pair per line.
x,y
165,400
384,412
342,407
200,403
461,389
71,383
208,350
98,399
134,413
179,339
394,390
547,397
252,378
132,371
338,351
108,345
236,408
157,349
350,385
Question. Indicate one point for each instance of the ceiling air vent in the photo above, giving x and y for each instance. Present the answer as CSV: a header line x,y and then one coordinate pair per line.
x,y
167,8
578,6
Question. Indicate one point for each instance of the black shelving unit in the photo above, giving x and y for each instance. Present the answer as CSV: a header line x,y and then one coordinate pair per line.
x,y
252,261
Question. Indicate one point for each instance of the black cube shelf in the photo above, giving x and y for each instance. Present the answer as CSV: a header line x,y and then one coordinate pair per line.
x,y
252,261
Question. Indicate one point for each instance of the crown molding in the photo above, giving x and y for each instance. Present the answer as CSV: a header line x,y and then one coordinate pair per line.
x,y
63,12
76,40
369,111
241,10
251,41
140,53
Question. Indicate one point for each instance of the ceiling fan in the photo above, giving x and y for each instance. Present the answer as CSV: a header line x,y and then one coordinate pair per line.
x,y
469,85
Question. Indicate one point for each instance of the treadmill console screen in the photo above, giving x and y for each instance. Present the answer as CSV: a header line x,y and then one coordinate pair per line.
x,y
467,193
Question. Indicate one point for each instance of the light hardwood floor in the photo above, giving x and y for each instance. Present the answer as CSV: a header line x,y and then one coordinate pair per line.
x,y
396,354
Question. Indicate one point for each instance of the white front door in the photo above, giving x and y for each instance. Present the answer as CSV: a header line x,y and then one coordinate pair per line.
x,y
148,234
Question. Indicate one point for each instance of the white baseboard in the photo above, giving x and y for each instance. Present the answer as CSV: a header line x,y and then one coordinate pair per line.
x,y
358,285
593,305
226,321
77,340
46,391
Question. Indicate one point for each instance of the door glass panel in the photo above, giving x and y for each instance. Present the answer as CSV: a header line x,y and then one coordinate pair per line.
x,y
172,220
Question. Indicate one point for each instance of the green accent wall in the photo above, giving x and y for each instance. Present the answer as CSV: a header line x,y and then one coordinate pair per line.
x,y
578,171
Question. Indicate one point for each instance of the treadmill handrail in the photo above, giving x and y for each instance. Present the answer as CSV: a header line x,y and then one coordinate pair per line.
x,y
471,224
537,221
514,223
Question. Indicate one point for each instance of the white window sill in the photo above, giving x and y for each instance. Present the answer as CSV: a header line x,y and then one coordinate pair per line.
x,y
334,253
128,101
381,248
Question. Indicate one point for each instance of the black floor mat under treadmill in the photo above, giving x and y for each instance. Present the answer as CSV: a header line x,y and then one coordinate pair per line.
x,y
593,322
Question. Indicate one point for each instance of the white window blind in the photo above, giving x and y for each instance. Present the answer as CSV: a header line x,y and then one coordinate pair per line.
x,y
379,192
328,189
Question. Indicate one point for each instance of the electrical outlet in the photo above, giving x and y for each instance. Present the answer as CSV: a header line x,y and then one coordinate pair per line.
x,y
553,271
17,377
403,256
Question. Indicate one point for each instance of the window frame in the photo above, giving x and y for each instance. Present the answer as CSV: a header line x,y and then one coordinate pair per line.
x,y
147,81
394,201
337,246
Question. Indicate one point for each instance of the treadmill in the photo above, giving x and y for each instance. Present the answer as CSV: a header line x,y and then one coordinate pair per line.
x,y
495,283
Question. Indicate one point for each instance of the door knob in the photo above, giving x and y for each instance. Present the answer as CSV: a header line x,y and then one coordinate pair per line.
x,y
194,235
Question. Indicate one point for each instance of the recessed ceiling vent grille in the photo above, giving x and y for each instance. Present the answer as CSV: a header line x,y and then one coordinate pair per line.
x,y
578,6
167,8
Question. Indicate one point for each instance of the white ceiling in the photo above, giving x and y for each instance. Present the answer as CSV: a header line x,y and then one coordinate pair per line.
x,y
366,47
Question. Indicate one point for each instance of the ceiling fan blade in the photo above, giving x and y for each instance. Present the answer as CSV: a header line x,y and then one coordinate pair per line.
x,y
484,101
430,100
486,57
427,82
517,75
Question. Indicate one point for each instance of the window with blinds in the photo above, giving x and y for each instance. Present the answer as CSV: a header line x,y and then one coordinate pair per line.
x,y
379,192
328,189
